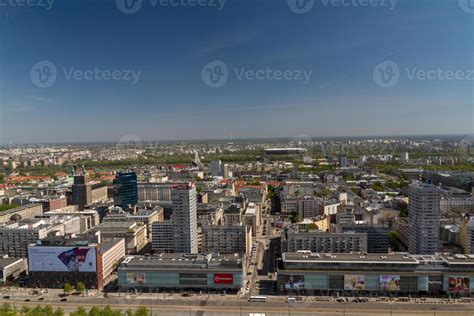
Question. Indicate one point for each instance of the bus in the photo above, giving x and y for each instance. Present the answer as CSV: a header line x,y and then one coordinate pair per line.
x,y
258,298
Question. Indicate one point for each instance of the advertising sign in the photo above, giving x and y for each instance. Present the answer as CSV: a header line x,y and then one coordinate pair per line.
x,y
459,284
62,259
354,282
390,282
136,278
294,282
221,278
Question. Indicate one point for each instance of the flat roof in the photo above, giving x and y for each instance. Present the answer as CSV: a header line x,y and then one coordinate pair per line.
x,y
5,262
308,256
183,261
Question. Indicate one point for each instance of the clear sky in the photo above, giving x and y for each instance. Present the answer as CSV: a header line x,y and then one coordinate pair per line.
x,y
337,45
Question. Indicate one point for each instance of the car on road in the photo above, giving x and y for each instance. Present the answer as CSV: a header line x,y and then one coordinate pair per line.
x,y
63,300
6,297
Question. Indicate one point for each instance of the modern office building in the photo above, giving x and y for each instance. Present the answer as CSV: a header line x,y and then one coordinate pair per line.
x,y
125,189
184,218
423,218
357,274
182,272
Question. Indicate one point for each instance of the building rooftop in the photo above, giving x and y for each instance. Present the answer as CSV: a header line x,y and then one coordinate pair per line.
x,y
184,261
308,256
5,262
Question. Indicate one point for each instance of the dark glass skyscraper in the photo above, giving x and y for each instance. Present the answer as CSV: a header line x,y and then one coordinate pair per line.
x,y
125,189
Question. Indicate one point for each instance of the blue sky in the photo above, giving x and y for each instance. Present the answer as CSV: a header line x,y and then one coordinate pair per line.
x,y
170,45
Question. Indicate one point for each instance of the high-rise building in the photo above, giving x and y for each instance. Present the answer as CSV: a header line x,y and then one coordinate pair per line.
x,y
184,201
81,191
343,161
404,157
423,218
215,168
125,189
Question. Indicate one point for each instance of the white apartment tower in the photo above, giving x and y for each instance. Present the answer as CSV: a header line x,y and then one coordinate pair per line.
x,y
184,219
423,218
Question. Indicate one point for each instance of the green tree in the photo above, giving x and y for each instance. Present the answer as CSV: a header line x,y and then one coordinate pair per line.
x,y
142,311
68,288
79,312
59,312
80,287
95,311
392,237
25,310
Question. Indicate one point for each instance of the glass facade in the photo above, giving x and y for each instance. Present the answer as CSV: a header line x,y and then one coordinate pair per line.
x,y
180,280
125,190
372,282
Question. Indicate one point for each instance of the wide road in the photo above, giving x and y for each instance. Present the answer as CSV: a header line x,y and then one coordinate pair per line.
x,y
233,307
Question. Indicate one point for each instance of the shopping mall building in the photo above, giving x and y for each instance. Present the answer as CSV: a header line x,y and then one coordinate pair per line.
x,y
375,274
168,271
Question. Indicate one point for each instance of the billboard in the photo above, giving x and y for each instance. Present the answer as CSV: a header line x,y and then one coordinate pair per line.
x,y
136,278
221,278
294,282
389,282
62,259
459,284
354,282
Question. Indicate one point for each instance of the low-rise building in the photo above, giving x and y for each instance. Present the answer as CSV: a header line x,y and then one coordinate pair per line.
x,y
312,273
134,234
52,262
182,272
